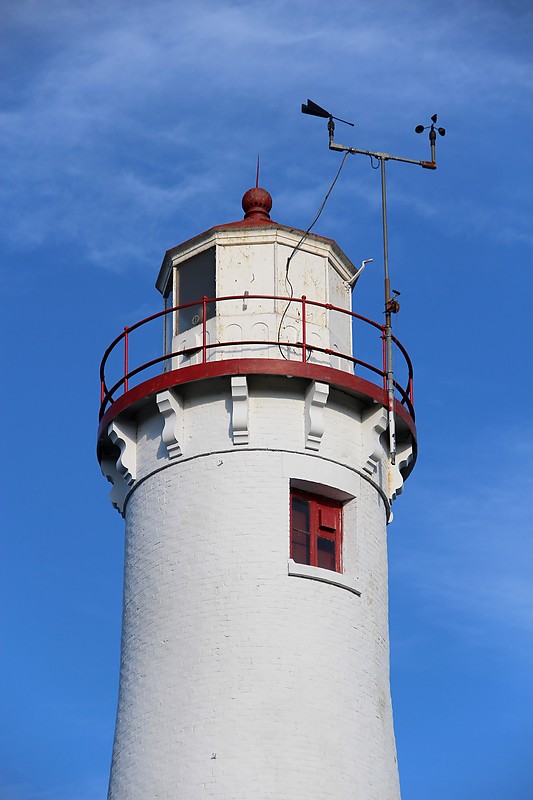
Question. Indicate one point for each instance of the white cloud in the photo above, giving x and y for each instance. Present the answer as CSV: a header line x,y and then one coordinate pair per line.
x,y
129,115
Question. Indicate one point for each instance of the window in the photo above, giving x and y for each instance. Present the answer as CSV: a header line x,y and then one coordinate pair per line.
x,y
316,530
195,279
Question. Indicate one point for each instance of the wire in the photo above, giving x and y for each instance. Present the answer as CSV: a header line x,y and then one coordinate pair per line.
x,y
318,213
297,247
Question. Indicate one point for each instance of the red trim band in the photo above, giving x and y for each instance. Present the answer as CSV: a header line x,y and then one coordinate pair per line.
x,y
253,366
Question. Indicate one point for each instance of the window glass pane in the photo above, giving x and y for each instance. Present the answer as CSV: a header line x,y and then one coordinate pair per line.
x,y
326,553
196,279
300,549
300,539
300,514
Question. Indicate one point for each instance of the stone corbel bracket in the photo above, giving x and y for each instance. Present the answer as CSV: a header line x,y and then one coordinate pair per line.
x,y
122,472
171,409
316,398
124,436
118,493
404,456
374,424
239,413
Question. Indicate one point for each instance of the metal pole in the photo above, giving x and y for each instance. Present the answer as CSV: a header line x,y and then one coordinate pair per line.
x,y
390,305
388,319
304,331
432,140
126,358
204,329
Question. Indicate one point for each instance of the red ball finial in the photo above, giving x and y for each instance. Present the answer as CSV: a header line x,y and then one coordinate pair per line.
x,y
256,204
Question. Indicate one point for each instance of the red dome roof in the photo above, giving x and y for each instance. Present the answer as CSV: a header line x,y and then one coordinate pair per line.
x,y
256,203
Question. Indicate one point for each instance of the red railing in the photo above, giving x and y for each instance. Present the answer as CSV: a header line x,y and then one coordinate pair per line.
x,y
404,392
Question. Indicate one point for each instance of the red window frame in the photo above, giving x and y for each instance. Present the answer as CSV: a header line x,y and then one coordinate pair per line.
x,y
316,530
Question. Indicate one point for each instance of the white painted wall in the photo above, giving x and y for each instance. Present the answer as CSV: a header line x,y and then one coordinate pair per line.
x,y
254,261
284,678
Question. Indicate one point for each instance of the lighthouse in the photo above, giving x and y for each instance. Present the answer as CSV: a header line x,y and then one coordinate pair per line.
x,y
243,427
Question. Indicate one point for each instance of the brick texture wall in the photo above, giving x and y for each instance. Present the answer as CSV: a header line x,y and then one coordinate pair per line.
x,y
238,680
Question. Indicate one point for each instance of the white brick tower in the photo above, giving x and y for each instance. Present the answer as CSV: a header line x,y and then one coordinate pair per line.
x,y
249,461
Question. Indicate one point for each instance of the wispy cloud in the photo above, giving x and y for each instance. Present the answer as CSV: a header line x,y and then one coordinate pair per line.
x,y
99,140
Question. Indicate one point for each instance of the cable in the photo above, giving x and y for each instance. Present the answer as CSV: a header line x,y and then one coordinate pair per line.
x,y
319,212
297,247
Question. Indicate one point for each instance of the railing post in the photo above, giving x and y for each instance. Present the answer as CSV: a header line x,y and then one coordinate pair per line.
x,y
126,357
304,330
204,329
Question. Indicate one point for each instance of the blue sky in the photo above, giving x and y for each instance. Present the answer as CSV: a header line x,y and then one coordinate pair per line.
x,y
126,128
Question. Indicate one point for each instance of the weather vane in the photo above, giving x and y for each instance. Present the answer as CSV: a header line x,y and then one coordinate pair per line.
x,y
391,304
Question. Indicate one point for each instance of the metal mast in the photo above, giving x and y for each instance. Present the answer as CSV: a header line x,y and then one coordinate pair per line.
x,y
391,304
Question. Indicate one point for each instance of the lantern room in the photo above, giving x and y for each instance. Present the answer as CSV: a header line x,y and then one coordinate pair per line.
x,y
257,289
